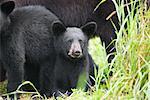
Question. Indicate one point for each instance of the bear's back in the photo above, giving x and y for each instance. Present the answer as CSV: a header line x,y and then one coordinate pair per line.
x,y
71,12
31,26
23,17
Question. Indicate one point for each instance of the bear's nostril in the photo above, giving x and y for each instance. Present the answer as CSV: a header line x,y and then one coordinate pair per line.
x,y
77,53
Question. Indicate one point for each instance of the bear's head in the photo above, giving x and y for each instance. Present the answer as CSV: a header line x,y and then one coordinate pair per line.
x,y
72,42
5,10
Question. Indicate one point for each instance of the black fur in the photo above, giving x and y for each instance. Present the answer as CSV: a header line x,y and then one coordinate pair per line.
x,y
26,47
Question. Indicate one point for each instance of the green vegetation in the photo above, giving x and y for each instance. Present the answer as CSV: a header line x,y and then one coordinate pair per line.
x,y
131,72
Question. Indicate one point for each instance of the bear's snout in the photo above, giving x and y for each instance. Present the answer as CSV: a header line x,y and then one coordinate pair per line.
x,y
75,54
75,51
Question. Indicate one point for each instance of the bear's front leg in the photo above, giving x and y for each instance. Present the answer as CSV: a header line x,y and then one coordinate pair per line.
x,y
13,55
15,71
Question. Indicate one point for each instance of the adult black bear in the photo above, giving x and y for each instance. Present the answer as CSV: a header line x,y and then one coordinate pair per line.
x,y
26,45
72,59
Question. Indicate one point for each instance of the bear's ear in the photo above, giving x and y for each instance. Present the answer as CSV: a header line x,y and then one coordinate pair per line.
x,y
89,29
7,7
58,28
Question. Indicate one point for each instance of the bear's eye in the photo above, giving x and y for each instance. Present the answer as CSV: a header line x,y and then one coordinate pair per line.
x,y
70,41
80,41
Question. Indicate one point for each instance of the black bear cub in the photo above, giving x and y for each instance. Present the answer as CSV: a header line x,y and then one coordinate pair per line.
x,y
71,45
26,46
